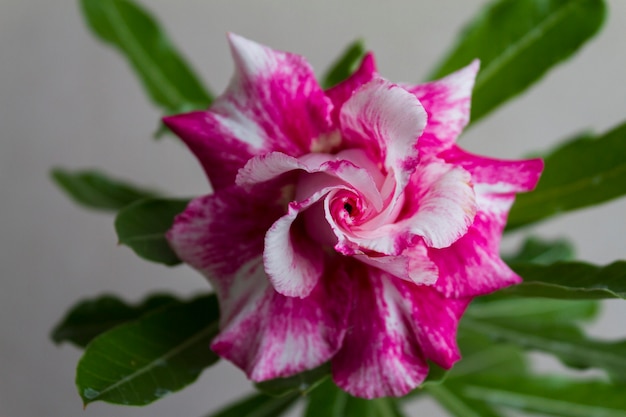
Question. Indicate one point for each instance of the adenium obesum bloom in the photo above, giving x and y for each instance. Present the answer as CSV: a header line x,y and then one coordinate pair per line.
x,y
345,226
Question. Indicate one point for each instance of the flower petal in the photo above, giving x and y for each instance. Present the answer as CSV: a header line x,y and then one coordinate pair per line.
x,y
412,265
293,262
439,203
447,102
276,93
218,233
271,336
340,93
217,143
351,167
266,334
386,121
472,265
273,103
380,355
435,321
496,175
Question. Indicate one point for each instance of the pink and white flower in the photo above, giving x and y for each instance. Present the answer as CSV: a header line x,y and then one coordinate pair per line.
x,y
345,225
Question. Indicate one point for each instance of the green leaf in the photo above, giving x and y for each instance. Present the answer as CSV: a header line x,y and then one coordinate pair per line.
x,y
379,407
345,65
258,405
95,190
537,251
534,309
302,382
563,340
142,227
436,375
166,77
90,318
460,406
557,396
491,359
328,400
583,172
570,280
519,41
142,361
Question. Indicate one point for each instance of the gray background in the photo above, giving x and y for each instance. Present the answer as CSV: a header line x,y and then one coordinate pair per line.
x,y
66,100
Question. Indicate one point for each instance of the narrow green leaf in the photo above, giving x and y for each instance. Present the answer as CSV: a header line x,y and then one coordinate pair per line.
x,y
436,375
167,78
557,396
563,340
345,65
379,407
538,251
302,382
95,190
534,309
458,405
326,400
259,405
570,280
583,172
142,227
329,401
142,361
90,318
491,359
519,41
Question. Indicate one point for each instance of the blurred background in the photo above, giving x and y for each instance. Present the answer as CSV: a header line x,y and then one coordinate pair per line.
x,y
67,100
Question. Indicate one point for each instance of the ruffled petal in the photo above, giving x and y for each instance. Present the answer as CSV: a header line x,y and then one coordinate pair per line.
x,y
271,336
218,233
412,265
496,175
350,167
435,320
276,93
447,102
439,204
293,262
386,121
472,265
380,355
340,93
273,103
217,143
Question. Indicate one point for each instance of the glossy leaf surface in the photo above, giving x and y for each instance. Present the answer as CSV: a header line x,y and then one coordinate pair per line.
x,y
543,252
581,173
517,42
165,75
571,280
142,227
96,190
91,318
142,361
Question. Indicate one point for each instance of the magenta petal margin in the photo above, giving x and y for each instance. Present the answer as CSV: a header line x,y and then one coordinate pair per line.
x,y
346,225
